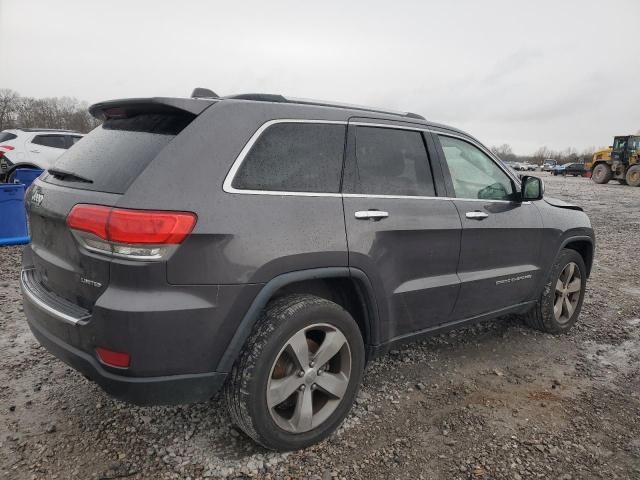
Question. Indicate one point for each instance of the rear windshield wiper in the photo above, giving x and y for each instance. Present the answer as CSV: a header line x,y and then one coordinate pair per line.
x,y
70,176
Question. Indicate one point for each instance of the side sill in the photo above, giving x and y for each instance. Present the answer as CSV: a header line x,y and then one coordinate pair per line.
x,y
375,351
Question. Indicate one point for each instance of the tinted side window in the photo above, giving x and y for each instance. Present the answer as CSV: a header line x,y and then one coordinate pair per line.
x,y
53,141
6,136
294,157
392,162
473,173
72,140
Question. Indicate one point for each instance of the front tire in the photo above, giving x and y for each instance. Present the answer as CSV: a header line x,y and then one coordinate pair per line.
x,y
559,305
602,173
297,377
633,176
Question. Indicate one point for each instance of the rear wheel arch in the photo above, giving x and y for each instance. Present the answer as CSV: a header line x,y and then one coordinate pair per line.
x,y
348,287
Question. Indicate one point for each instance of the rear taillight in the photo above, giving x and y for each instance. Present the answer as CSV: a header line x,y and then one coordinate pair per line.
x,y
6,148
134,234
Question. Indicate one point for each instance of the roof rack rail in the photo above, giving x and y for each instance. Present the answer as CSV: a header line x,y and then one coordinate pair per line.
x,y
268,97
260,97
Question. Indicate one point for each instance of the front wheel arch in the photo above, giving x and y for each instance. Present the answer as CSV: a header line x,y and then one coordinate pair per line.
x,y
584,246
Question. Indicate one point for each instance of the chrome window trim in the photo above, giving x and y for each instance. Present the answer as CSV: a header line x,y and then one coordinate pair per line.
x,y
417,128
228,181
228,188
412,197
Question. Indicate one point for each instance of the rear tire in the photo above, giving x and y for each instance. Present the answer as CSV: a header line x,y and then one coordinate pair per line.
x,y
602,173
559,305
277,392
633,176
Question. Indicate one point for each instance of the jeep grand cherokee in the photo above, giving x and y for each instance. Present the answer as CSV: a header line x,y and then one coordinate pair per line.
x,y
270,247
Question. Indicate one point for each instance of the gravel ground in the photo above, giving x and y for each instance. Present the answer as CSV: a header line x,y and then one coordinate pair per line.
x,y
492,401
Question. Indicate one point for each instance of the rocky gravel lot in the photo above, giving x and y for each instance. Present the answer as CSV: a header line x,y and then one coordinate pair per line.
x,y
492,401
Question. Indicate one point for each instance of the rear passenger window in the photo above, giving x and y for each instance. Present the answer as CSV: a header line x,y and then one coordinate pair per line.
x,y
53,141
294,157
392,162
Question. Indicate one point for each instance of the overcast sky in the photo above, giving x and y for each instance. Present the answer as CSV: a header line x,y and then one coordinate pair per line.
x,y
555,73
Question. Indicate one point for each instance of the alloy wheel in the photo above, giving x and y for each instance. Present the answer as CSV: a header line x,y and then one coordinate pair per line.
x,y
309,378
567,294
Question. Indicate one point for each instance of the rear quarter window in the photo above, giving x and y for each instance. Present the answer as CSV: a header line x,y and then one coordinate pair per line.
x,y
294,157
6,136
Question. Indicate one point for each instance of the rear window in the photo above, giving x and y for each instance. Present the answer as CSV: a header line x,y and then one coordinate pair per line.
x,y
294,157
6,136
115,153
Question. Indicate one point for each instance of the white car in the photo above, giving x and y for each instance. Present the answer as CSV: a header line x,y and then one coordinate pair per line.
x,y
33,147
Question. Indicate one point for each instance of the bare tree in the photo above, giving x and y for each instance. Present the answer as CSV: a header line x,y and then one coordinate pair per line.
x,y
9,102
505,152
541,154
28,112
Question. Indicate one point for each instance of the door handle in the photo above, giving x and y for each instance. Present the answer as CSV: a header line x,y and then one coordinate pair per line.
x,y
34,151
477,215
371,215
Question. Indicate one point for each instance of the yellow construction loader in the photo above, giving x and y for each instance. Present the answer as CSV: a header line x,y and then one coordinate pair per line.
x,y
619,162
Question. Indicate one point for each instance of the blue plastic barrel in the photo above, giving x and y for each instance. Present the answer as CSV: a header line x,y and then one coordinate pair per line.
x,y
26,176
13,217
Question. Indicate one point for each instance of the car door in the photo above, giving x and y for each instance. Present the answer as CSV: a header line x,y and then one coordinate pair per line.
x,y
403,236
45,149
499,262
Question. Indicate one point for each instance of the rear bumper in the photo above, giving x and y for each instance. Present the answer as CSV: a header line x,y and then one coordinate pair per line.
x,y
175,342
171,389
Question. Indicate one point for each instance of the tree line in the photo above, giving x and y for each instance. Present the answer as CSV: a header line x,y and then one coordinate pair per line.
x,y
568,155
67,113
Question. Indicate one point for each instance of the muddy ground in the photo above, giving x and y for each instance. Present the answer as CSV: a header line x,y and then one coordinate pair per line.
x,y
493,401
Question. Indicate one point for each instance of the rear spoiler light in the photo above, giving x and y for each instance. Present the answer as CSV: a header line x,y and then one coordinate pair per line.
x,y
128,233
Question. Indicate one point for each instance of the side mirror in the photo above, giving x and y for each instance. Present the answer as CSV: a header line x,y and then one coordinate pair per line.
x,y
532,188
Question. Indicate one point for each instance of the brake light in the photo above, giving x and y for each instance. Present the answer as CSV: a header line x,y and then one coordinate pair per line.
x,y
139,226
113,359
137,234
90,219
7,147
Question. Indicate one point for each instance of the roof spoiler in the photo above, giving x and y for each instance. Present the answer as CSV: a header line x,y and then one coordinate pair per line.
x,y
127,107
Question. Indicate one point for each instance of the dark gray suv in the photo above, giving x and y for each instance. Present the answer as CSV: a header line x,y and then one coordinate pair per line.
x,y
270,247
